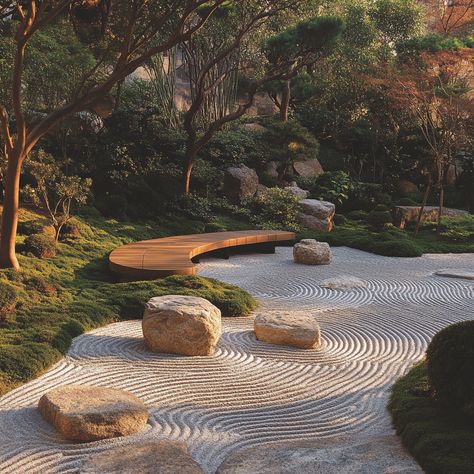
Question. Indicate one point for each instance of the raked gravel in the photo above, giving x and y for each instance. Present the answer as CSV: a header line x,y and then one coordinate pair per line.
x,y
251,392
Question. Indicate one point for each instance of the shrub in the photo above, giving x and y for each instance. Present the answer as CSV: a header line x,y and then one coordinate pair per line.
x,y
358,215
450,357
383,199
340,219
381,208
40,245
42,285
113,205
8,298
71,230
275,208
378,219
214,227
395,248
407,202
332,186
30,227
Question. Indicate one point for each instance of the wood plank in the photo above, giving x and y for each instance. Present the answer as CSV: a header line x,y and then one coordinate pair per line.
x,y
158,258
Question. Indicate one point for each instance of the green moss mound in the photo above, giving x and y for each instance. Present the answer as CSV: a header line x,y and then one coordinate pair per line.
x,y
63,296
442,442
450,362
40,245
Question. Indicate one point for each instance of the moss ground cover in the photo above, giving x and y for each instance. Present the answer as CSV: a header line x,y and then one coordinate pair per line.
x,y
440,440
61,297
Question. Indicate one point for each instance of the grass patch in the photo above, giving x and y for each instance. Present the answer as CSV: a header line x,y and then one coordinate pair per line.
x,y
61,297
457,236
442,442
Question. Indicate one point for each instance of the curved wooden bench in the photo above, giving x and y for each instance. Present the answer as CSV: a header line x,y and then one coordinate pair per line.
x,y
157,258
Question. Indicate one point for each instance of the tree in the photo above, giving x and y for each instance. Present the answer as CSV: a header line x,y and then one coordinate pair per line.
x,y
450,16
130,34
54,191
287,53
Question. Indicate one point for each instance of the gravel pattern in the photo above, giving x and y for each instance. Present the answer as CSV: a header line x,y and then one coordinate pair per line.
x,y
251,392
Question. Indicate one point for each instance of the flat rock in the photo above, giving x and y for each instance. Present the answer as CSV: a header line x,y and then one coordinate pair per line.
x,y
160,457
185,325
316,208
83,413
312,252
379,455
344,282
454,273
308,168
288,329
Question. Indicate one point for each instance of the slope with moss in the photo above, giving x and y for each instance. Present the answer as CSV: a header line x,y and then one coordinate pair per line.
x,y
61,297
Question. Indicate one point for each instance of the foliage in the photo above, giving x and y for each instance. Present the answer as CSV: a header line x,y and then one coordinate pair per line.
x,y
8,298
332,186
40,245
450,370
440,441
275,208
378,218
62,297
54,190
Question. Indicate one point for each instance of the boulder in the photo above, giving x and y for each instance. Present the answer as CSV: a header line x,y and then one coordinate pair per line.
x,y
344,282
83,413
312,252
316,208
403,215
313,223
240,183
308,168
406,187
297,191
288,329
271,169
159,457
185,325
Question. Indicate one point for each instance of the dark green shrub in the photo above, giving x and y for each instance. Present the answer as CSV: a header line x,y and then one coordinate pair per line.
x,y
8,298
40,245
340,219
383,199
407,202
395,248
275,208
30,227
113,205
214,227
332,186
358,215
378,219
381,208
450,361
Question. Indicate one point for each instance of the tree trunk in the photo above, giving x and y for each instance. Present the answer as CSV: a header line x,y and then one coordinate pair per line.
x,y
441,206
10,212
285,101
190,160
423,205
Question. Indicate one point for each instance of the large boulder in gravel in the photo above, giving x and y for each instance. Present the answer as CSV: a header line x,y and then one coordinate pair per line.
x,y
312,252
82,413
308,168
289,329
185,325
159,457
240,183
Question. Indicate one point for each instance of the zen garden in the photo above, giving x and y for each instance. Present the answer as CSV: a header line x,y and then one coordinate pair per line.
x,y
237,237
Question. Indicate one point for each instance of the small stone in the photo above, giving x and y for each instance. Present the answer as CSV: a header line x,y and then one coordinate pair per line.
x,y
160,457
83,413
312,252
454,273
288,329
344,282
185,325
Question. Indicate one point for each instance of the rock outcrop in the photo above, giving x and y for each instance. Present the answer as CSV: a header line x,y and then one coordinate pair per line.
x,y
317,215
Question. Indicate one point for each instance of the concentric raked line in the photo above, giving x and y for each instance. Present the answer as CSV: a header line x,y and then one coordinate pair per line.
x,y
252,392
